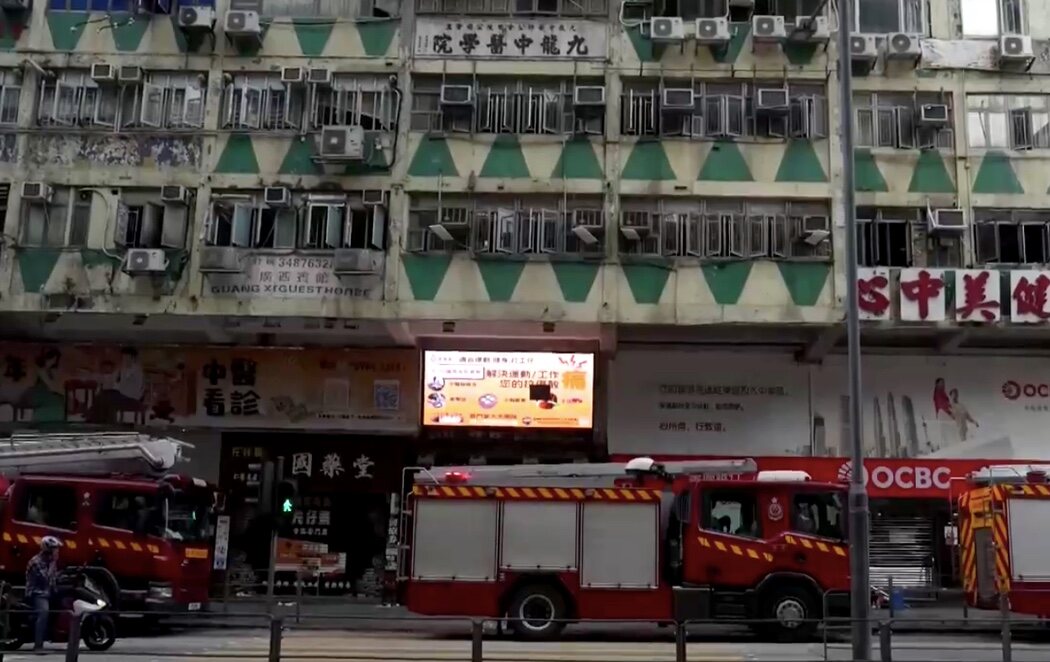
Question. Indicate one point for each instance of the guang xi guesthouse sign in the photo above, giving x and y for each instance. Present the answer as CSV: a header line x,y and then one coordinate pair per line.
x,y
973,296
525,39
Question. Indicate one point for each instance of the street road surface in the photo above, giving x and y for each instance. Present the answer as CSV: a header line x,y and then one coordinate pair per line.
x,y
327,645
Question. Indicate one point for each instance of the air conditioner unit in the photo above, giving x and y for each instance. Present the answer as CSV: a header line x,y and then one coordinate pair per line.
x,y
129,74
242,23
589,95
355,261
457,95
863,48
343,142
174,195
292,74
677,98
815,229
768,29
1016,49
196,19
902,46
36,192
666,29
103,73
945,220
372,197
277,196
933,114
220,259
772,101
812,30
319,76
713,31
145,261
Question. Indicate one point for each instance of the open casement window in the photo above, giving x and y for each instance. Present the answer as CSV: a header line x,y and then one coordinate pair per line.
x,y
505,231
542,111
714,234
736,235
809,117
780,235
64,104
151,112
757,236
495,110
241,225
673,229
9,97
323,225
187,107
1021,134
365,227
275,228
175,224
725,116
639,113
694,236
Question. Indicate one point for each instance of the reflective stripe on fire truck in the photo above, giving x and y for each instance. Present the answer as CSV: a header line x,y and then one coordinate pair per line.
x,y
734,548
999,535
819,545
7,537
536,493
1029,490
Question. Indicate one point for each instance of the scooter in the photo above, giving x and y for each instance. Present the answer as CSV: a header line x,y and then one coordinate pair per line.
x,y
77,596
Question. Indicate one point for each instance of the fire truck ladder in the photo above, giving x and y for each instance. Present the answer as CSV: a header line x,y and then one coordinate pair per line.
x,y
34,450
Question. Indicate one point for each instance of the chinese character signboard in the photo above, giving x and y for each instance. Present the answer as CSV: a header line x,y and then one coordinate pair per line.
x,y
977,296
873,294
294,277
508,389
502,38
259,388
1028,294
923,295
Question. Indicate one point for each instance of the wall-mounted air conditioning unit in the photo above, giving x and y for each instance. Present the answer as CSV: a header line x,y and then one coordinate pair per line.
x,y
243,23
129,75
772,101
355,262
220,259
589,95
319,76
713,31
945,220
768,29
145,261
343,142
863,49
290,75
812,30
934,114
457,95
815,229
196,19
903,46
677,98
36,192
103,73
174,195
667,29
372,197
1016,49
277,196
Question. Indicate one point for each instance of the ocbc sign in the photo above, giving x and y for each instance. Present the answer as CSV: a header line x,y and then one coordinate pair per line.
x,y
908,478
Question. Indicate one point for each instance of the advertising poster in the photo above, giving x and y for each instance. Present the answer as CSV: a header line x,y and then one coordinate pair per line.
x,y
508,389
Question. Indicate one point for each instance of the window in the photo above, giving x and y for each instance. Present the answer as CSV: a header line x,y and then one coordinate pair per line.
x,y
53,506
518,7
129,511
721,111
1011,121
10,93
142,221
261,101
163,101
331,8
166,100
733,512
508,226
521,106
62,221
791,10
724,229
819,514
884,236
892,120
991,18
885,16
1011,236
365,101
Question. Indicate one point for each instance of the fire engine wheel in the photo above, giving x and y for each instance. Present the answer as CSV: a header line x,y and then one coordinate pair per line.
x,y
537,612
791,612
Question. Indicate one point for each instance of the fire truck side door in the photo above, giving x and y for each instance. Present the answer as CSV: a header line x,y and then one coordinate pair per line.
x,y
726,540
118,524
41,508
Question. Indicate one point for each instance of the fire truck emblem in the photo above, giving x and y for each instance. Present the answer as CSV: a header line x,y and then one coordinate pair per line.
x,y
776,511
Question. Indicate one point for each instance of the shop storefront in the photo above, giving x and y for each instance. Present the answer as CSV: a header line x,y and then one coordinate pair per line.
x,y
927,423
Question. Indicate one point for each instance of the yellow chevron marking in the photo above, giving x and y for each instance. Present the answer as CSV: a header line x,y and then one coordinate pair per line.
x,y
806,543
512,492
1043,490
153,549
646,495
577,493
752,553
119,545
736,550
840,551
562,494
102,542
822,547
768,557
136,547
529,492
705,542
462,491
22,539
627,494
545,493
71,544
790,540
499,493
720,545
448,491
36,539
610,494
7,537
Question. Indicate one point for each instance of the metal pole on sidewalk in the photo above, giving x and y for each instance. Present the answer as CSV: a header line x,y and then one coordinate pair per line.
x,y
860,588
73,642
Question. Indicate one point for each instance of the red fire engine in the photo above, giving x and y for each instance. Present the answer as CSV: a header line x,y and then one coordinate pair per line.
x,y
1004,513
145,538
539,545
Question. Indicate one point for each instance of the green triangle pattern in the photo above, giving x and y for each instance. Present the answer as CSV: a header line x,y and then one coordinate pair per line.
x,y
252,48
36,265
577,161
313,34
648,160
804,280
425,274
647,281
727,281
432,159
11,28
996,175
298,160
128,30
505,160
801,164
66,28
729,53
575,279
725,163
868,177
500,277
930,174
643,47
238,157
376,36
798,53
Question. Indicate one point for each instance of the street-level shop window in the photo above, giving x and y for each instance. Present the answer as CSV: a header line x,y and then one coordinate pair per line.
x,y
1008,121
818,514
732,512
1011,236
992,18
54,506
60,216
897,120
885,16
539,8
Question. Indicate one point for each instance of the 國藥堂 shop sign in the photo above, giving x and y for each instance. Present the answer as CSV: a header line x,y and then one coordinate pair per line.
x,y
543,39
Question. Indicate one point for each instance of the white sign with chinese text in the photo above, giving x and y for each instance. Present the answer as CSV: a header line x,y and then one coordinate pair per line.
x,y
503,38
222,542
977,296
1028,296
873,293
923,295
293,277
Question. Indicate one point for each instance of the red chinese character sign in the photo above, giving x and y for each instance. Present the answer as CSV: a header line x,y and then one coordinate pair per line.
x,y
923,295
1029,291
977,296
873,293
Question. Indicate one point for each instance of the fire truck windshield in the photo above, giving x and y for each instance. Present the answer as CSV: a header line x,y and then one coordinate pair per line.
x,y
186,517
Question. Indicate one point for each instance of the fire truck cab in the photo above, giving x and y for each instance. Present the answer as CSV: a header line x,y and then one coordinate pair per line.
x,y
540,545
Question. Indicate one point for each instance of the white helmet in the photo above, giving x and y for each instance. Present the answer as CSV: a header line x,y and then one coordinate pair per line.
x,y
50,542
